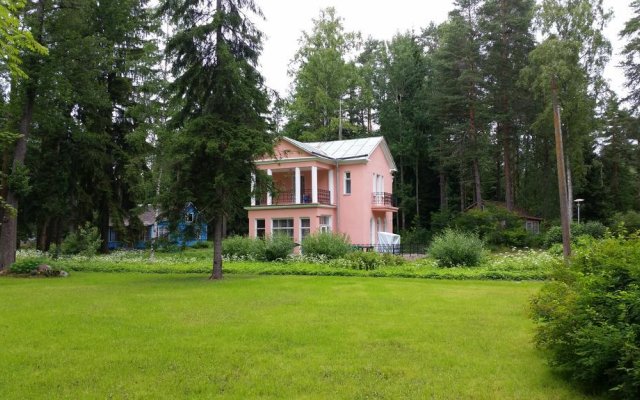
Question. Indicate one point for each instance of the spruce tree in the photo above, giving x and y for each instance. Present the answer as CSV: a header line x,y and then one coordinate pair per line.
x,y
223,105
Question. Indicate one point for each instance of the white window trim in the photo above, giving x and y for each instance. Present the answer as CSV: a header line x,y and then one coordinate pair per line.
x,y
344,181
293,226
255,225
300,230
325,227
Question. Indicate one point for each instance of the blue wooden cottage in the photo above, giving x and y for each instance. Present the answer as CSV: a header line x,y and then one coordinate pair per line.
x,y
191,229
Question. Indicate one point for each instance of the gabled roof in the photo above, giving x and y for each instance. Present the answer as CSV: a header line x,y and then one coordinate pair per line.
x,y
352,149
308,147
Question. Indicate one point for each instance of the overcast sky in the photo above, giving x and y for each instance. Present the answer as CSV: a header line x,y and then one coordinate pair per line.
x,y
286,19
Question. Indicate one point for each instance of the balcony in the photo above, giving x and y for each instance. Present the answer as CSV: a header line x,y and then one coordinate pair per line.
x,y
383,201
286,198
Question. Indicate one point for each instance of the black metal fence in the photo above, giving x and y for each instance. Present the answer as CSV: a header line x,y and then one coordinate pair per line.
x,y
398,249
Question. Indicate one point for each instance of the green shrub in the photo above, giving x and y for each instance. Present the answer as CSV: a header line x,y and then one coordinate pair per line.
x,y
594,229
85,241
589,317
369,260
202,245
278,247
391,260
243,247
364,260
630,220
326,244
454,248
27,265
495,225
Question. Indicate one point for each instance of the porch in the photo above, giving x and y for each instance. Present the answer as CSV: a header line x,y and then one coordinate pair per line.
x,y
298,185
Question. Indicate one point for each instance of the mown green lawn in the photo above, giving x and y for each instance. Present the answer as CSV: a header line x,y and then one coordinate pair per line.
x,y
106,335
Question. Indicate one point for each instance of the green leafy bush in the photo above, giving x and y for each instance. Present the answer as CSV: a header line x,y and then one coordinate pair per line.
x,y
369,260
243,248
589,317
365,260
326,244
454,248
27,265
278,247
85,241
495,225
630,220
202,245
594,229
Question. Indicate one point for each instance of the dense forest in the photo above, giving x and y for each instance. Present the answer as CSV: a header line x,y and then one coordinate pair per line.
x,y
111,106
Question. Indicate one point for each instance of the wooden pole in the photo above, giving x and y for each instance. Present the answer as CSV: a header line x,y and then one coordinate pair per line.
x,y
562,179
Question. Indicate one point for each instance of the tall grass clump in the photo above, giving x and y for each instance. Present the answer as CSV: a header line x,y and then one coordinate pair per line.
x,y
326,244
454,248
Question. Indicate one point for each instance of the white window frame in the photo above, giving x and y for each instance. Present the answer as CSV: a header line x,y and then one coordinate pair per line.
x,y
286,230
264,228
304,228
325,225
347,179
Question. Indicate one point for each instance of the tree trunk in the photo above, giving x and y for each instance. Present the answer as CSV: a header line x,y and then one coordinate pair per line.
x,y
417,191
41,244
506,160
224,226
444,206
498,176
402,213
104,226
8,234
462,192
216,273
9,222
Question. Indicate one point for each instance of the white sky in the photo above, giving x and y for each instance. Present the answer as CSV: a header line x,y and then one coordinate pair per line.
x,y
286,19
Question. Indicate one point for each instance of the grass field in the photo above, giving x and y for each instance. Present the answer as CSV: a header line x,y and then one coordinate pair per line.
x,y
97,335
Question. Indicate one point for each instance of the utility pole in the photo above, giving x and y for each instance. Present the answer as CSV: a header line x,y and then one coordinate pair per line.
x,y
562,179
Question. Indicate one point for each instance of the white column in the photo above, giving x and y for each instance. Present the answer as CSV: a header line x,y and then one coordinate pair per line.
x,y
253,187
297,185
269,200
314,184
331,201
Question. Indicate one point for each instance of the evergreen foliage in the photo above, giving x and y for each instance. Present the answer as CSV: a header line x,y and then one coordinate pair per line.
x,y
223,103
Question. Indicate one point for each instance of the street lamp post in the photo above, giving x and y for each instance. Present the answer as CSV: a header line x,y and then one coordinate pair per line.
x,y
578,201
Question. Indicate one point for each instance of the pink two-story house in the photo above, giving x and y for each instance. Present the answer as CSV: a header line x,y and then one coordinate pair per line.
x,y
339,186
